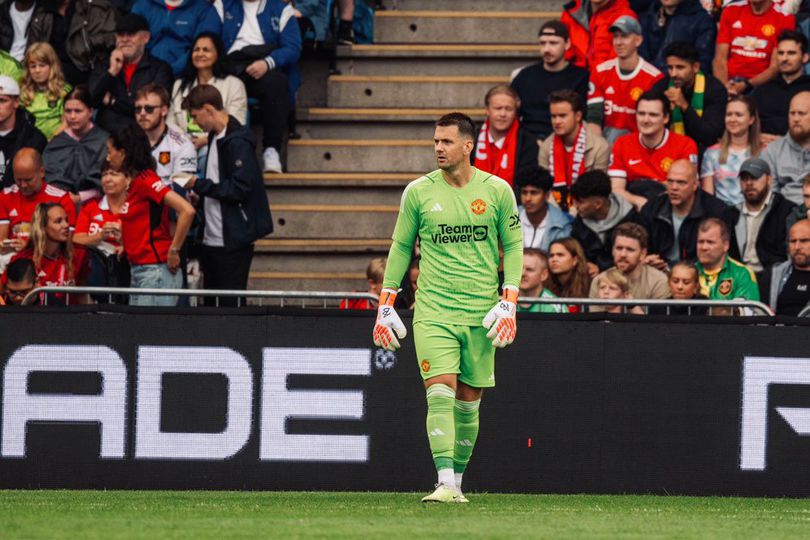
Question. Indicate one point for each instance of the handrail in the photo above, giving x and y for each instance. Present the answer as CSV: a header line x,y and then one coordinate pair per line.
x,y
239,295
668,303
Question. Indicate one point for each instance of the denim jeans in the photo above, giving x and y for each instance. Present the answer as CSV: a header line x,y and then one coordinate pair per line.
x,y
154,276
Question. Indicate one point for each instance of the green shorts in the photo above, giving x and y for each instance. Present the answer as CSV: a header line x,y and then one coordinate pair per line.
x,y
442,349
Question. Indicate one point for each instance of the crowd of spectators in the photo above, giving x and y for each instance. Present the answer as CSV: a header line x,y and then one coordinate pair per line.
x,y
684,172
124,145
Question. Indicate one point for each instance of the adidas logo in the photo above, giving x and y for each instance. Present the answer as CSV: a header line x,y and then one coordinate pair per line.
x,y
737,25
436,208
98,217
13,213
610,90
465,442
436,432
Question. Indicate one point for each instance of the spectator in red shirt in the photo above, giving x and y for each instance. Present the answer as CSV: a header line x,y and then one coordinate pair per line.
x,y
153,252
589,25
17,203
56,261
640,161
745,56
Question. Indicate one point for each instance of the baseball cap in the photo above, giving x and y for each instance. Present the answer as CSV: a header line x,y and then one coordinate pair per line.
x,y
754,167
626,24
8,86
131,23
554,28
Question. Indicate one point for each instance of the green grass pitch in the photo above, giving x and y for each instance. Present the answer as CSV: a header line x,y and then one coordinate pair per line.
x,y
206,514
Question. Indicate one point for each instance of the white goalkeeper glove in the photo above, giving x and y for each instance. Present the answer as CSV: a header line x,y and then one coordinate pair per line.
x,y
501,319
388,326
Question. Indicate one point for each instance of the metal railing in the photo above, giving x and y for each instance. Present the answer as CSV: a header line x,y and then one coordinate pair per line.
x,y
746,307
284,297
805,312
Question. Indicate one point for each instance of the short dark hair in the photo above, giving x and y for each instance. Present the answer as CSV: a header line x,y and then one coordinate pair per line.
x,y
591,184
21,270
708,223
203,94
683,50
567,96
156,89
464,123
632,230
536,176
793,35
650,95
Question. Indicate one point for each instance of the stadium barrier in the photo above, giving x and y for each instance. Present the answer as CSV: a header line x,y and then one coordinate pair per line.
x,y
264,398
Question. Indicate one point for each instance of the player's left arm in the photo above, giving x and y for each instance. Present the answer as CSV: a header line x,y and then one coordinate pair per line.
x,y
501,318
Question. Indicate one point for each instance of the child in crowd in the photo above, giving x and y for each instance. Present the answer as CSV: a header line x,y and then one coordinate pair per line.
x,y
613,285
43,88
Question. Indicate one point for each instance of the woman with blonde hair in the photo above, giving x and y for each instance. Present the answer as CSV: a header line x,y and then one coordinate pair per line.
x,y
741,140
43,88
568,270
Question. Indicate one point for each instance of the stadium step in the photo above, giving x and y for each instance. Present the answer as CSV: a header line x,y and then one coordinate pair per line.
x,y
435,59
334,194
308,254
410,90
486,26
475,5
333,220
399,180
362,155
308,281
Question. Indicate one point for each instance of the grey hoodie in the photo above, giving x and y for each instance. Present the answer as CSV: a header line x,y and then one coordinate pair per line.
x,y
619,207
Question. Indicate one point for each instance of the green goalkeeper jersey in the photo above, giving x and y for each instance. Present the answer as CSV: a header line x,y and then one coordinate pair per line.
x,y
459,230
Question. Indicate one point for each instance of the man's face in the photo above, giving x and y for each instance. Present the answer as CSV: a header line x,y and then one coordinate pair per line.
x,y
450,147
681,72
799,116
806,196
552,49
790,57
799,245
589,207
133,45
8,107
150,113
564,121
710,247
203,117
650,117
17,290
681,185
501,112
627,254
533,199
28,178
683,283
755,189
625,45
534,273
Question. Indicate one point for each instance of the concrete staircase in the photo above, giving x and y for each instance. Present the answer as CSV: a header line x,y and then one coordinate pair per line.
x,y
366,131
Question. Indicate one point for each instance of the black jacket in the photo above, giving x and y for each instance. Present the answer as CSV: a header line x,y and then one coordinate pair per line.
x,y
771,243
25,134
773,100
657,218
706,129
598,252
6,28
690,23
245,210
121,111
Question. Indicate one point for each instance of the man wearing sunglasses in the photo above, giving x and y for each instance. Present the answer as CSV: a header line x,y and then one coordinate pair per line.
x,y
113,84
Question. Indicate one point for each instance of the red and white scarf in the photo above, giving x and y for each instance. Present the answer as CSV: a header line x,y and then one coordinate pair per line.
x,y
566,171
498,161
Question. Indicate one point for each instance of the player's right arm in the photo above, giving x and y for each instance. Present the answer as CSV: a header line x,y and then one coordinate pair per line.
x,y
388,326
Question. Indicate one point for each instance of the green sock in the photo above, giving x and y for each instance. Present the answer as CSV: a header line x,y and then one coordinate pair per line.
x,y
466,417
440,424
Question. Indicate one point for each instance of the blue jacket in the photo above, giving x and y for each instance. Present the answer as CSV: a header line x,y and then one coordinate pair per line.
x,y
173,32
279,28
690,22
240,191
558,226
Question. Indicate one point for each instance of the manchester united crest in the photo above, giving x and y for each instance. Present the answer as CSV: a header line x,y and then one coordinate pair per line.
x,y
635,93
164,158
478,207
725,286
425,366
666,163
768,30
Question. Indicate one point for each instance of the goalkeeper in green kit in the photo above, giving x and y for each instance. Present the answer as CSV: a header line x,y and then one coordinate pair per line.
x,y
460,214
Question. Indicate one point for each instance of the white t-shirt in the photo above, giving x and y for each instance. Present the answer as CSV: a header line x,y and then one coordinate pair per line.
x,y
19,21
250,33
532,236
174,153
213,235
